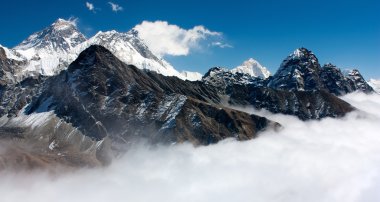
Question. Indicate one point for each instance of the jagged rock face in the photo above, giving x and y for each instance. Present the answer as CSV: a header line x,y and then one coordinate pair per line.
x,y
8,68
339,83
222,78
298,72
315,103
358,81
204,123
300,87
14,97
103,97
3,67
335,82
301,72
305,105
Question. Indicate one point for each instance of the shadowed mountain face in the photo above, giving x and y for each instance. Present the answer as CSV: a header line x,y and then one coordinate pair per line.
x,y
305,105
103,97
301,71
298,72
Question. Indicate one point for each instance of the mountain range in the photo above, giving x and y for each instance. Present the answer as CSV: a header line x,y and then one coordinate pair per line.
x,y
78,101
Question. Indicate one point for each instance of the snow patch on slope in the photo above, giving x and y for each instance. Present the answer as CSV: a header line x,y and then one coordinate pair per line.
x,y
192,76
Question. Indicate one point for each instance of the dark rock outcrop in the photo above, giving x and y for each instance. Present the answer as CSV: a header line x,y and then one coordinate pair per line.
x,y
305,105
298,72
334,80
301,71
358,81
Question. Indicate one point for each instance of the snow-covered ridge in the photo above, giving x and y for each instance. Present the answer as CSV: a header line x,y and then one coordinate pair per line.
x,y
192,76
250,72
12,54
51,50
253,68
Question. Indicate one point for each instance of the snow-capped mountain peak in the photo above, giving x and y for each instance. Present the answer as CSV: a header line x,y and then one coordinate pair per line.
x,y
61,24
299,52
129,48
60,37
299,71
302,54
253,68
51,50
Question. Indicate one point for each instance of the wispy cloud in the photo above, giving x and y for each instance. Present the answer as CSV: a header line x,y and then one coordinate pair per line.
x,y
115,7
167,39
90,6
221,44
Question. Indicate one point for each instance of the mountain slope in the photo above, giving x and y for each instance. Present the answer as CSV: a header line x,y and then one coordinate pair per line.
x,y
103,97
100,105
129,48
306,105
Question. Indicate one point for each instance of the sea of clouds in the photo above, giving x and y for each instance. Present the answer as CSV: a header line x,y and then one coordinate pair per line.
x,y
328,160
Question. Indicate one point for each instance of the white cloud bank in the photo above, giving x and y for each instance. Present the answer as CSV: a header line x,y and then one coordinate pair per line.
x,y
321,161
167,39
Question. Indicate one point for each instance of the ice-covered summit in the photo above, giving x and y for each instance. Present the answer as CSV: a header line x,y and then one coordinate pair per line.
x,y
51,50
60,37
253,68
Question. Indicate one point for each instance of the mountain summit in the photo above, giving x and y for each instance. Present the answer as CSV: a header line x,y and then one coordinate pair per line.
x,y
253,68
51,50
60,37
299,71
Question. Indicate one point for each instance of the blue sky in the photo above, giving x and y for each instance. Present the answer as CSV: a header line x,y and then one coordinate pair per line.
x,y
346,33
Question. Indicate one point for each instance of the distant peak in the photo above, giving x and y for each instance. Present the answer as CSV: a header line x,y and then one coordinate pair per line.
x,y
251,60
253,68
300,54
